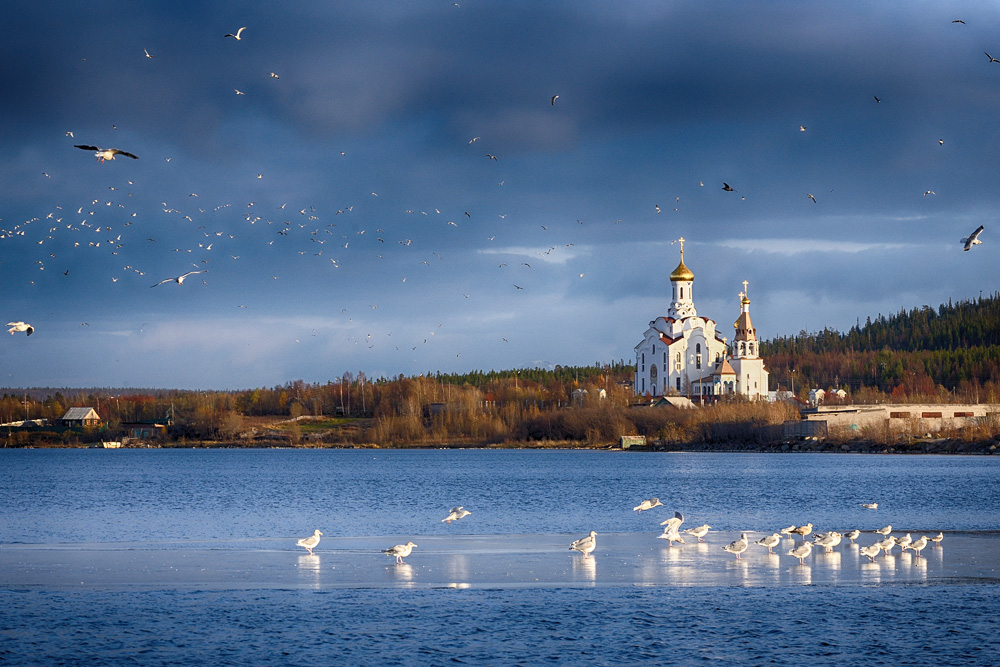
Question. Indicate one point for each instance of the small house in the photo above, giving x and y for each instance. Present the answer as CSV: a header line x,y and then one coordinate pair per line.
x,y
80,417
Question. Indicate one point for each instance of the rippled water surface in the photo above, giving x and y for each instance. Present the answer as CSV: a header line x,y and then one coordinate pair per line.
x,y
147,495
136,504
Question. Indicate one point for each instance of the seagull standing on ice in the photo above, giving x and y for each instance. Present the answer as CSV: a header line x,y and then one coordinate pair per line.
x,y
20,326
105,153
738,546
871,551
179,279
972,239
884,531
400,551
699,531
456,514
585,544
801,552
804,530
310,542
770,542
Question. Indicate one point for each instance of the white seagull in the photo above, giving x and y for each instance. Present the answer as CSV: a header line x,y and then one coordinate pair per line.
x,y
770,542
886,544
853,535
310,542
179,279
456,514
400,551
737,546
673,523
237,35
829,541
801,552
103,154
918,545
972,239
937,538
803,530
884,531
699,531
871,551
585,544
647,505
870,506
787,531
20,326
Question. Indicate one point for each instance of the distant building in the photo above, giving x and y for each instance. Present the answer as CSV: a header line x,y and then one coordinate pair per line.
x,y
683,354
79,417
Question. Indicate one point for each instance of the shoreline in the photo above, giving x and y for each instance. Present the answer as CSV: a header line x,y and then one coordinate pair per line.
x,y
919,446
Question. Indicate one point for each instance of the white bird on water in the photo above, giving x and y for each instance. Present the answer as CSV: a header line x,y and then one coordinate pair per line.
x,y
737,546
20,326
770,542
801,552
699,531
648,505
103,154
585,544
400,551
310,542
179,279
456,514
870,506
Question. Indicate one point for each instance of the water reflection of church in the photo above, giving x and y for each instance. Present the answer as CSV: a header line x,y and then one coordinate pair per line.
x,y
682,353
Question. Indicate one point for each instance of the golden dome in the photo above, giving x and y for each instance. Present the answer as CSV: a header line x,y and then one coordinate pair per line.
x,y
682,272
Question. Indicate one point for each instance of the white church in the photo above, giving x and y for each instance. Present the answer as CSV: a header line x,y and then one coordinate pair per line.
x,y
682,354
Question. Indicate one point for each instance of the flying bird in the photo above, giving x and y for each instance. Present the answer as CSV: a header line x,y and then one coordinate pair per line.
x,y
554,98
973,238
179,279
310,542
20,326
727,187
929,192
147,54
802,128
877,100
811,197
992,59
456,514
958,21
103,154
237,35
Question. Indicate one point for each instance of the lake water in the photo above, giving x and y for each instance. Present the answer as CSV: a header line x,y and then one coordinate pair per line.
x,y
188,557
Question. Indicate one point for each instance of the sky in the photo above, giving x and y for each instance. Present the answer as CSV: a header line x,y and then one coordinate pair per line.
x,y
393,187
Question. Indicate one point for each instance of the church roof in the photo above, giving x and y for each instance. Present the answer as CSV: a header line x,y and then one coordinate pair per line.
x,y
744,327
682,272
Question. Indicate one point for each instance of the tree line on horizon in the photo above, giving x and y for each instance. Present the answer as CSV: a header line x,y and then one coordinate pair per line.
x,y
951,354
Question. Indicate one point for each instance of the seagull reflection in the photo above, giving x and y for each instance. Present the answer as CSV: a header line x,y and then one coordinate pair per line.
x,y
403,573
802,574
585,569
309,566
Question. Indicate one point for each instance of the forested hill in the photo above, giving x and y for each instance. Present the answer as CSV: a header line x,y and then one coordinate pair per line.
x,y
923,350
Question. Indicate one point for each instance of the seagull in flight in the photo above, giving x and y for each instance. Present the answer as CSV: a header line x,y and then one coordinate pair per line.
x,y
105,153
179,279
727,187
237,35
973,238
811,197
992,59
147,54
20,326
554,98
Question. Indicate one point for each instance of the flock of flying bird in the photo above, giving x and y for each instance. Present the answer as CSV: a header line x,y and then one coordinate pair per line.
x,y
672,533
